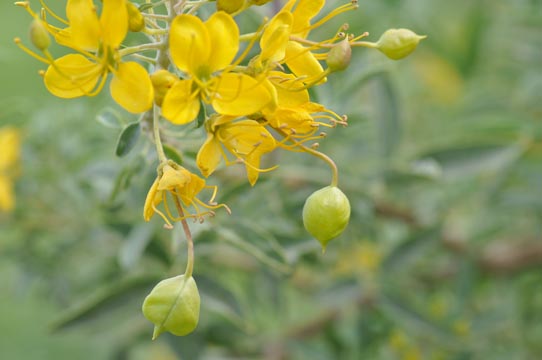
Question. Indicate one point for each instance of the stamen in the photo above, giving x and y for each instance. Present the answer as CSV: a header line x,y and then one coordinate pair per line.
x,y
18,42
341,9
53,14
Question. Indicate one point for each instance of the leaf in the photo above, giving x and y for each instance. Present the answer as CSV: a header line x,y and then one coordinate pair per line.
x,y
173,305
389,127
410,249
127,139
470,160
173,154
134,245
110,118
105,300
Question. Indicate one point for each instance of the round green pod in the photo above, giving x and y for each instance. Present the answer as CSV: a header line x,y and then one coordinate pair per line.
x,y
326,214
173,305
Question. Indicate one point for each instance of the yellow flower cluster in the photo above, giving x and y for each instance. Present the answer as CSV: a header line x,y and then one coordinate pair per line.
x,y
248,93
252,105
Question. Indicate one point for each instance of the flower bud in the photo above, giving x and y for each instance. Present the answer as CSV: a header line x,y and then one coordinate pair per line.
x,y
326,214
162,81
398,43
229,6
136,21
39,35
338,58
173,305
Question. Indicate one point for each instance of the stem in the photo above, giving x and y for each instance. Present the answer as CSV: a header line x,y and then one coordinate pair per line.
x,y
156,132
318,154
138,48
189,241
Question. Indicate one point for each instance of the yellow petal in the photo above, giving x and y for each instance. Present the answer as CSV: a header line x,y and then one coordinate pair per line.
x,y
275,37
302,62
181,104
239,94
253,162
131,87
192,188
84,24
114,22
10,144
224,36
285,86
295,119
209,155
189,43
7,195
172,178
152,200
303,13
72,76
245,137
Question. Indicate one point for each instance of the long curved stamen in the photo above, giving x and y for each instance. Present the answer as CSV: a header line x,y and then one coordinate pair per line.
x,y
341,9
53,13
18,42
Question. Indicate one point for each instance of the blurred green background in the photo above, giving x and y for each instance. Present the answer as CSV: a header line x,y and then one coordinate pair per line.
x,y
442,163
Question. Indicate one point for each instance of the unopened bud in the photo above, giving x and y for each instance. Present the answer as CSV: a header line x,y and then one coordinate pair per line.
x,y
338,58
398,43
326,213
39,35
229,6
136,21
162,81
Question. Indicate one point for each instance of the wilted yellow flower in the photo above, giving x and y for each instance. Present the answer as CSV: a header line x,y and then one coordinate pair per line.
x,y
184,187
246,139
10,140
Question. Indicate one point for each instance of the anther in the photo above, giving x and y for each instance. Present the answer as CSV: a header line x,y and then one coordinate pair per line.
x,y
315,146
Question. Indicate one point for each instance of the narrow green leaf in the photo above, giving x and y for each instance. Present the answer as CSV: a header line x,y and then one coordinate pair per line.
x,y
145,7
105,300
110,118
134,245
389,127
471,160
173,154
127,139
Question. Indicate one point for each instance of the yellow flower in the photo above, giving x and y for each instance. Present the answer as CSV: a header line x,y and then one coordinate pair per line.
x,y
9,157
204,51
97,41
294,114
183,186
246,139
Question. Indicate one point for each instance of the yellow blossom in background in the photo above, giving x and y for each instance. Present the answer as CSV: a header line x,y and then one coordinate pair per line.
x,y
10,143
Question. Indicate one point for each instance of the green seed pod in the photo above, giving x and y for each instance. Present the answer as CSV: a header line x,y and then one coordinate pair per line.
x,y
136,21
338,58
173,305
39,35
326,214
229,6
398,43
